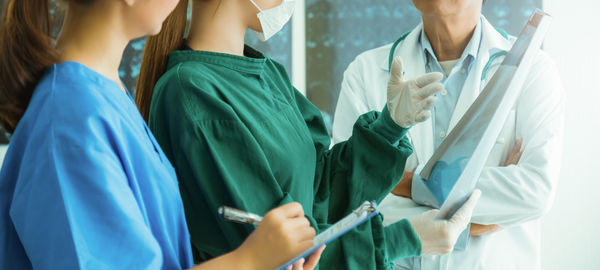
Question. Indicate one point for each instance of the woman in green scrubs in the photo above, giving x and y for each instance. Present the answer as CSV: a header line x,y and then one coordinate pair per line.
x,y
239,134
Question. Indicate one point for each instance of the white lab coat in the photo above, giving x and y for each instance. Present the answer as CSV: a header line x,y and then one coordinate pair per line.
x,y
514,197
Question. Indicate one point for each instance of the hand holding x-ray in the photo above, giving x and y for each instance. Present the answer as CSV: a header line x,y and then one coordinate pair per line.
x,y
438,236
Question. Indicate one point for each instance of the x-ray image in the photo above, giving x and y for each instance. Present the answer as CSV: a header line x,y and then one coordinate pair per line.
x,y
452,172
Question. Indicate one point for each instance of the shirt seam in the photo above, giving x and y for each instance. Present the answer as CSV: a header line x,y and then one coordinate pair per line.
x,y
53,160
252,61
187,105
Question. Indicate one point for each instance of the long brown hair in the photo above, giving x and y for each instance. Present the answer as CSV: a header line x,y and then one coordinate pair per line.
x,y
156,55
25,52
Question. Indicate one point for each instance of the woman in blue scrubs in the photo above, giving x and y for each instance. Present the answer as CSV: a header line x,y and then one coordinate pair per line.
x,y
84,184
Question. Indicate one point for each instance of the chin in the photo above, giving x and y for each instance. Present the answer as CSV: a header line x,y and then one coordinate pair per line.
x,y
430,6
155,31
256,27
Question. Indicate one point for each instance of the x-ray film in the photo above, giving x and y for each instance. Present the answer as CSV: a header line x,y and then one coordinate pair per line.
x,y
454,169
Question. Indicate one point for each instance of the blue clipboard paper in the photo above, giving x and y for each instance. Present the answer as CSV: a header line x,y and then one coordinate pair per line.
x,y
365,212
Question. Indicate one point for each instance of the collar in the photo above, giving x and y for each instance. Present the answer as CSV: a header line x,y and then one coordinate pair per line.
x,y
470,52
491,42
253,61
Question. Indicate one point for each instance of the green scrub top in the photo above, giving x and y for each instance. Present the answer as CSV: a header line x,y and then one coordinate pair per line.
x,y
239,134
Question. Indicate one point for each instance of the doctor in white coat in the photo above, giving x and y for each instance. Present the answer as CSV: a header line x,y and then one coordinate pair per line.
x,y
456,40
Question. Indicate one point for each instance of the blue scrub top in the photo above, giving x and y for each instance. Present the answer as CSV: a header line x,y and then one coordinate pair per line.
x,y
84,184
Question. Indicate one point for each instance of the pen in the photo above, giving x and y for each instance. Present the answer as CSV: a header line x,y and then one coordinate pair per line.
x,y
238,216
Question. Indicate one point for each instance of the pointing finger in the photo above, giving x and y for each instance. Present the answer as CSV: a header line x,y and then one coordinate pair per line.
x,y
397,69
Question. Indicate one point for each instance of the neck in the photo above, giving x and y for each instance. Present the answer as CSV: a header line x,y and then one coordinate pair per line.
x,y
449,35
213,29
90,39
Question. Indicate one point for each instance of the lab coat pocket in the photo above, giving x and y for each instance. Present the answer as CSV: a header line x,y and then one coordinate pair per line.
x,y
504,142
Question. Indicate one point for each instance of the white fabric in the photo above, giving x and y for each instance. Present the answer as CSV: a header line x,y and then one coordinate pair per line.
x,y
447,66
274,19
514,197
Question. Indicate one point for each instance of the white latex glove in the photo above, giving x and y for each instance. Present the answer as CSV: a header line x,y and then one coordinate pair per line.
x,y
438,236
409,102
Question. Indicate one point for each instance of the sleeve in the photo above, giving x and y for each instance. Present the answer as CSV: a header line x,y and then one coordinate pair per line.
x,y
516,194
371,246
365,164
364,168
370,147
74,209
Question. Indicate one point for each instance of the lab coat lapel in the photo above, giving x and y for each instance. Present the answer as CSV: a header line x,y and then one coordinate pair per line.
x,y
491,42
421,135
469,92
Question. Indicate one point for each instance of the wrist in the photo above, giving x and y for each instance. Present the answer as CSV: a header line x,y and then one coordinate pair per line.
x,y
385,126
242,258
402,191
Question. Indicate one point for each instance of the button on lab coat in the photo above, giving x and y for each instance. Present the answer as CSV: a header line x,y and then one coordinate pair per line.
x,y
514,197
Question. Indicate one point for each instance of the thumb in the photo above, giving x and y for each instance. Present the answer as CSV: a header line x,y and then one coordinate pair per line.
x,y
463,215
397,69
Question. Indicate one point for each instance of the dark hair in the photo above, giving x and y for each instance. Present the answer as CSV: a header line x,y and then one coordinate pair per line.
x,y
156,55
25,52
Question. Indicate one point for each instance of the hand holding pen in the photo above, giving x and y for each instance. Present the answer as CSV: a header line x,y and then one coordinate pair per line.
x,y
282,234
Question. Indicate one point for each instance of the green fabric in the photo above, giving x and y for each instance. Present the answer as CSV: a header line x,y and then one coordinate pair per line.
x,y
386,127
239,134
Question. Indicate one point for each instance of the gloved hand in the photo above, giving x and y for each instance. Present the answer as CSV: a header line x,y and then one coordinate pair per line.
x,y
410,102
438,236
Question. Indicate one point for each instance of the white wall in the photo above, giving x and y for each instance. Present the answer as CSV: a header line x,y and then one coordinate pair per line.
x,y
299,47
571,231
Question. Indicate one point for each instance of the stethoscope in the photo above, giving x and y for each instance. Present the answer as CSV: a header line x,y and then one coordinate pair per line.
x,y
484,72
487,66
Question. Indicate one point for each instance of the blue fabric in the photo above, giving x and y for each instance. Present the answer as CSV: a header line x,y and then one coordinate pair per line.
x,y
84,184
444,106
443,177
434,191
424,196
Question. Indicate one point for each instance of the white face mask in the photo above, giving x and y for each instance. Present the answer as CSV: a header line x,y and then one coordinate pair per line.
x,y
274,19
